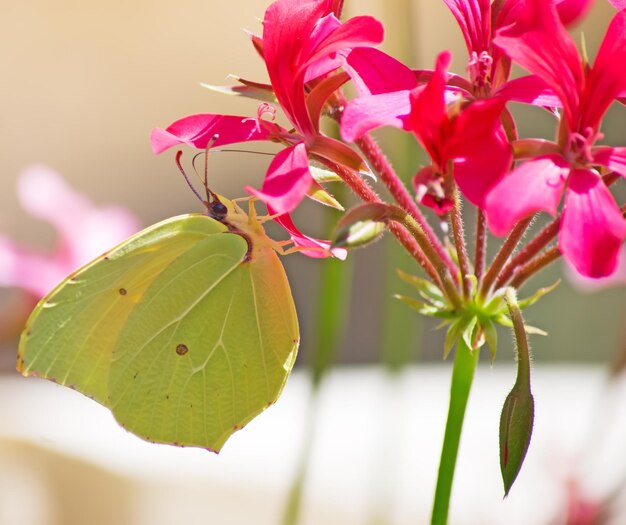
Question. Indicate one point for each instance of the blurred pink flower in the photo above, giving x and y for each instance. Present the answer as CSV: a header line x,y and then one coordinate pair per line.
x,y
84,231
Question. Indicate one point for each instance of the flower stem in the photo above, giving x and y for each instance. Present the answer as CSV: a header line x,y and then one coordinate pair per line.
x,y
398,191
367,194
409,222
456,222
465,361
503,254
532,267
538,243
481,244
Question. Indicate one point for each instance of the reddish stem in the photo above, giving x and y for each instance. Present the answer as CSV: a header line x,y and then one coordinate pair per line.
x,y
398,191
502,256
367,194
456,223
481,244
537,244
532,267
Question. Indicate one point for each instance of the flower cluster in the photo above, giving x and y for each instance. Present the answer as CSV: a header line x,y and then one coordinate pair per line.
x,y
463,123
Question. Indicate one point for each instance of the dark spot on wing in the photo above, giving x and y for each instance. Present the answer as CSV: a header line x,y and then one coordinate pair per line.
x,y
136,374
122,291
182,349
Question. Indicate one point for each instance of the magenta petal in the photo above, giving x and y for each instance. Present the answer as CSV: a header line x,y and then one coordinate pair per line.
x,y
474,19
540,44
479,170
287,181
533,186
593,227
316,248
612,158
373,72
570,11
619,4
606,81
328,63
530,90
355,32
198,130
428,116
368,112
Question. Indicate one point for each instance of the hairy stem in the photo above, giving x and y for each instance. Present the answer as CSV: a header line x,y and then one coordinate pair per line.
x,y
538,243
481,244
503,254
456,223
367,194
465,361
409,222
398,191
532,267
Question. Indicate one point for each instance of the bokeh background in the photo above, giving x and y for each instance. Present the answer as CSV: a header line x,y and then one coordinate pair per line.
x,y
84,83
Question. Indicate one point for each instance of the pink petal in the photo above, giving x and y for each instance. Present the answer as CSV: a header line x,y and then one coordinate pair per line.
x,y
571,11
374,72
619,4
478,144
428,110
326,64
589,284
198,130
287,181
481,168
529,90
606,80
593,227
287,27
474,19
533,186
612,158
539,43
316,248
369,112
355,32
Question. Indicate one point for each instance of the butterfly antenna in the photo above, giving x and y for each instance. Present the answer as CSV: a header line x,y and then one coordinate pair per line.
x,y
210,196
179,154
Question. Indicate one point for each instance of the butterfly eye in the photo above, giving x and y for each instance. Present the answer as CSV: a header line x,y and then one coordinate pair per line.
x,y
218,210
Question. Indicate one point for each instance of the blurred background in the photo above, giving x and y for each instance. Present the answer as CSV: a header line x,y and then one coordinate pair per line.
x,y
84,83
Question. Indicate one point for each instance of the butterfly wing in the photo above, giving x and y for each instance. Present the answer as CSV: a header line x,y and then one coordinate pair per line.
x,y
219,353
174,330
70,335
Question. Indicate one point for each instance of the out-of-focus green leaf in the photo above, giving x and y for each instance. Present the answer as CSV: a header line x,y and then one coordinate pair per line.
x,y
524,303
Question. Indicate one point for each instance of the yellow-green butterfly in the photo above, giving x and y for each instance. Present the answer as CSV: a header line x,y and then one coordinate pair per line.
x,y
185,331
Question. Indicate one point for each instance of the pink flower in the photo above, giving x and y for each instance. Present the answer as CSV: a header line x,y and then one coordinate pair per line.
x,y
303,42
84,231
384,84
469,139
592,226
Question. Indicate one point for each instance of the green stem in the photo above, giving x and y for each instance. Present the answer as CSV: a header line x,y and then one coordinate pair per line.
x,y
465,361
